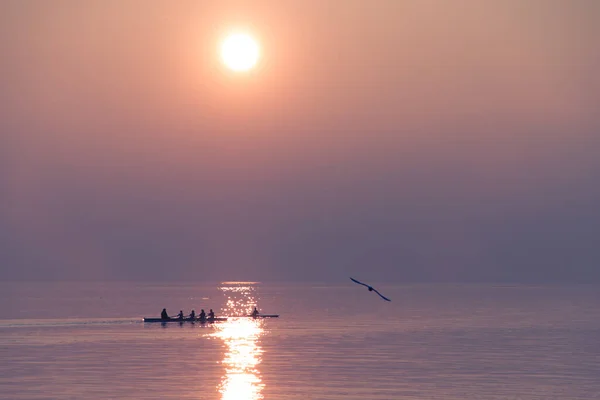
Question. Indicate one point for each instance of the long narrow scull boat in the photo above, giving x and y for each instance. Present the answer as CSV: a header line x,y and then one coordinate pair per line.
x,y
206,320
264,316
202,321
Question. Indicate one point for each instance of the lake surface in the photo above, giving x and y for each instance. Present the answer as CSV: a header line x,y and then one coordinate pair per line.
x,y
87,341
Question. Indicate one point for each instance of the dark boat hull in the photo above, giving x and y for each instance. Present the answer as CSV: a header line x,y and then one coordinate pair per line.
x,y
201,321
264,316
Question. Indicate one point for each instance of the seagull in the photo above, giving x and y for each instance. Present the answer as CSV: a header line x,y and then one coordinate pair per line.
x,y
371,289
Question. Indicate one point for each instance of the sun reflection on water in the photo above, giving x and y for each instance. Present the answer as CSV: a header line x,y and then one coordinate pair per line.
x,y
243,353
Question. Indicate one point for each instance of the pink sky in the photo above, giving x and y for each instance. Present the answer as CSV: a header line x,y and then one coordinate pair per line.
x,y
426,139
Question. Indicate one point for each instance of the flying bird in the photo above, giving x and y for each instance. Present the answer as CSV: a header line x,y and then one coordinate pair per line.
x,y
371,289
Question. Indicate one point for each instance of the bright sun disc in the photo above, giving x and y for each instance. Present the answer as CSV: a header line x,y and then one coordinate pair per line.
x,y
239,52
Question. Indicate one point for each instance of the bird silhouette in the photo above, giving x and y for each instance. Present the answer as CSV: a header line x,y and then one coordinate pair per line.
x,y
371,289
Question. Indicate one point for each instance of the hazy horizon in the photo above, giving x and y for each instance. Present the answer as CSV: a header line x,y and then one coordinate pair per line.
x,y
398,141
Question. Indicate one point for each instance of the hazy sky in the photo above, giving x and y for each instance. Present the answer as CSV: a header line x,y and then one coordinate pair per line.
x,y
398,140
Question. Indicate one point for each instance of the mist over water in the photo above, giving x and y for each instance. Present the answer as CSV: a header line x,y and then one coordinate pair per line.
x,y
331,342
406,141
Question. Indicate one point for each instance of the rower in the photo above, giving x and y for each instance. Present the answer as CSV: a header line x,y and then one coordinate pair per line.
x,y
211,314
180,315
255,312
193,315
163,314
202,314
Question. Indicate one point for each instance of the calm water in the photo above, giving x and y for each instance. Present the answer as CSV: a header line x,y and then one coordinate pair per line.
x,y
87,341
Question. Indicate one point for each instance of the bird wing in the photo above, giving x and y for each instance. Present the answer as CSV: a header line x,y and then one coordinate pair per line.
x,y
360,283
380,295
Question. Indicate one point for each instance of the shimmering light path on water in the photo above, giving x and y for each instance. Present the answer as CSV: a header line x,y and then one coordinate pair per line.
x,y
243,353
331,342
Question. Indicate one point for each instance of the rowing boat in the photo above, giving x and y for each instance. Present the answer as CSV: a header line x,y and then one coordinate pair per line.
x,y
264,316
207,320
202,321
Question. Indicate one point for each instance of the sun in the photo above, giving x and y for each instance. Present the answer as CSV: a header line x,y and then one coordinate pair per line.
x,y
239,52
